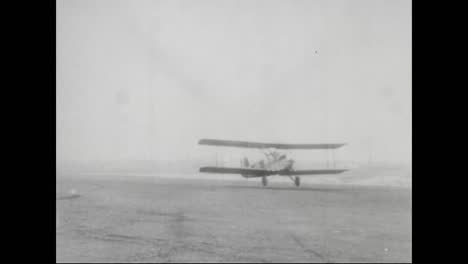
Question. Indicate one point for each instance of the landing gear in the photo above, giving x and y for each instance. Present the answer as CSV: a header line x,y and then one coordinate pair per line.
x,y
264,181
297,181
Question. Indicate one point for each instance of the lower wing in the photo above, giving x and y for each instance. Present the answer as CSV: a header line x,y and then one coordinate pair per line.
x,y
310,172
260,173
245,171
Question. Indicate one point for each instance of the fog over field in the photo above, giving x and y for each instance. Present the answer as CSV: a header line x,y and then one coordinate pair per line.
x,y
143,81
139,83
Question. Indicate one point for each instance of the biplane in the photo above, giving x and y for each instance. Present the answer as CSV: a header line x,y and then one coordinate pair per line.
x,y
275,163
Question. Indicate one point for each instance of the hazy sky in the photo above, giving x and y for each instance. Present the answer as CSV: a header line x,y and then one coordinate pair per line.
x,y
147,79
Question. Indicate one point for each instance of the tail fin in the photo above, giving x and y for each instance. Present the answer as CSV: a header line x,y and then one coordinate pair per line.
x,y
245,163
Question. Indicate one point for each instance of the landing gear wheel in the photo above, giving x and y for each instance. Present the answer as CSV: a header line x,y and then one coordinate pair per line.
x,y
297,181
264,181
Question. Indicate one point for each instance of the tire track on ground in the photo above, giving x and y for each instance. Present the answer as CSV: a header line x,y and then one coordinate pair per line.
x,y
308,250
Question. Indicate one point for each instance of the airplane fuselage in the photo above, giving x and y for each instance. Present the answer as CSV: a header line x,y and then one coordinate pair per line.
x,y
274,162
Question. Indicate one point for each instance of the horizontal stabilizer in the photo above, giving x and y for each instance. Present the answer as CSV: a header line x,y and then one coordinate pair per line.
x,y
310,172
246,144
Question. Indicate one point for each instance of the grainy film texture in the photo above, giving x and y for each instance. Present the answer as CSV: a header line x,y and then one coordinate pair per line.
x,y
233,131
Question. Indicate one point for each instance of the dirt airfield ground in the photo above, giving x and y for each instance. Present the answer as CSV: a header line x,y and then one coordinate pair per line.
x,y
153,219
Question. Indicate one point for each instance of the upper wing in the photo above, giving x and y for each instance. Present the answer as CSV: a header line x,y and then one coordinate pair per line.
x,y
256,172
310,172
246,144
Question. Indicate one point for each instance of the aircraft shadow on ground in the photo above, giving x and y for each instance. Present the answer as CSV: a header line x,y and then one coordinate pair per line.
x,y
67,197
285,188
